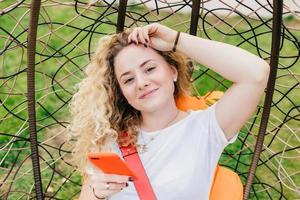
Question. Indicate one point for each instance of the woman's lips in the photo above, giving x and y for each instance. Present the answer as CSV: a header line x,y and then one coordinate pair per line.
x,y
147,94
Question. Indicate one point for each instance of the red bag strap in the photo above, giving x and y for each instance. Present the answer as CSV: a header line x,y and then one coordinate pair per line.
x,y
142,184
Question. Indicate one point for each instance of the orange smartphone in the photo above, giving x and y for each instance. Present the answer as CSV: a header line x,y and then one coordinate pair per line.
x,y
111,163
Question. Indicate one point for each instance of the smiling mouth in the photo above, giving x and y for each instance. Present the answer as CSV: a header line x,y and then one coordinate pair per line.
x,y
145,95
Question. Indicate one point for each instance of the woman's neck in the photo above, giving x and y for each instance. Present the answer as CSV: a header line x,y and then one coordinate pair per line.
x,y
161,118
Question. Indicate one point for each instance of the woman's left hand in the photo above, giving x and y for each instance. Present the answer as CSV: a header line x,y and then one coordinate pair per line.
x,y
154,35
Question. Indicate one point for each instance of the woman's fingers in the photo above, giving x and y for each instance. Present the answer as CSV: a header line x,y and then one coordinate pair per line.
x,y
105,185
146,35
98,175
153,35
110,186
140,35
109,178
133,36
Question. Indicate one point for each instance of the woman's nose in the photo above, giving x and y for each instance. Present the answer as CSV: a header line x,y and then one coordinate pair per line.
x,y
142,82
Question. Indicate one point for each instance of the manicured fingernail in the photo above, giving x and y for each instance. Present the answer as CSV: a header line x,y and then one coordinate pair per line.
x,y
126,185
146,40
145,45
130,179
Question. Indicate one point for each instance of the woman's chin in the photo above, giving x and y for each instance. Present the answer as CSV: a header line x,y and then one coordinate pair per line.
x,y
152,107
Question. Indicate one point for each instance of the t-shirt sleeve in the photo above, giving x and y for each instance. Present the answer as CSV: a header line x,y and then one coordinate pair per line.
x,y
210,137
209,130
214,129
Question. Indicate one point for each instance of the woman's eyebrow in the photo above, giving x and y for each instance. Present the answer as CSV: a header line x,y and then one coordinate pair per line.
x,y
141,65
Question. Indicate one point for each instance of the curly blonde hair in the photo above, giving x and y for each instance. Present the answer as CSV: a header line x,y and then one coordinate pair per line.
x,y
100,112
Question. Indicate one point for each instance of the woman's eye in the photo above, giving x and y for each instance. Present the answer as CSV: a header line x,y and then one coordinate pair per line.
x,y
150,69
128,80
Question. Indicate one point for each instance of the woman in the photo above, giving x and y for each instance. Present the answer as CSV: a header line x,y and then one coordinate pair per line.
x,y
131,86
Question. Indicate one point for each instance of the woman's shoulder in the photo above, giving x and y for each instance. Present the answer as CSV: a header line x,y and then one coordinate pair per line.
x,y
202,113
201,119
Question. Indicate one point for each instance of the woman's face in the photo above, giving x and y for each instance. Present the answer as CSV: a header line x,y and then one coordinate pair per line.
x,y
145,78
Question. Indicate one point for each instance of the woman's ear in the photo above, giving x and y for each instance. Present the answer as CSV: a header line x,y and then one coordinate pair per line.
x,y
174,72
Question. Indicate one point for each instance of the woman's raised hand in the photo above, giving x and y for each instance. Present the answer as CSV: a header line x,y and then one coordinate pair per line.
x,y
154,35
104,185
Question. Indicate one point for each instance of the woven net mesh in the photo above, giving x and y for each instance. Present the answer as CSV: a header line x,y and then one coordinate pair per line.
x,y
68,32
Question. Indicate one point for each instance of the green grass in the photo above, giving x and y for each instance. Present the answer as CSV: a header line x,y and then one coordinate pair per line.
x,y
69,73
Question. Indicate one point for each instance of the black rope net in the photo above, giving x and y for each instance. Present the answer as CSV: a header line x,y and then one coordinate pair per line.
x,y
67,32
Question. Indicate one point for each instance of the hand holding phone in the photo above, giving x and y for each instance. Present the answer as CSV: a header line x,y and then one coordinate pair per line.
x,y
111,163
101,184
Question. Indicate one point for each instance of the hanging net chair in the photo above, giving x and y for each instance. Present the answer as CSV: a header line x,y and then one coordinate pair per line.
x,y
45,47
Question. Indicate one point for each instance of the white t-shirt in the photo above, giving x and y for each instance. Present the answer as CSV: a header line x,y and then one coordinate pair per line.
x,y
180,162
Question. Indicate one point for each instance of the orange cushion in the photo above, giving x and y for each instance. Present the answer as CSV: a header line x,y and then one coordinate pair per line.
x,y
226,184
184,102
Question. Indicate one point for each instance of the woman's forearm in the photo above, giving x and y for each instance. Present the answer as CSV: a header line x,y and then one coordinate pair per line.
x,y
233,63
